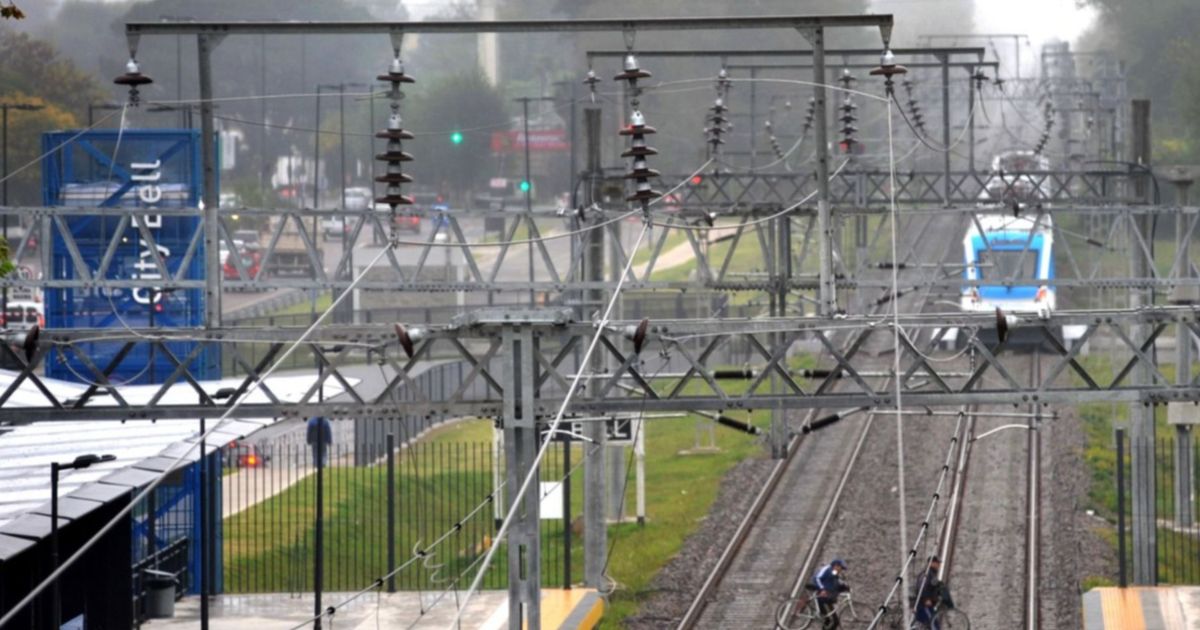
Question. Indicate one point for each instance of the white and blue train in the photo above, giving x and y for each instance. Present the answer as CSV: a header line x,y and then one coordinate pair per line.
x,y
1009,264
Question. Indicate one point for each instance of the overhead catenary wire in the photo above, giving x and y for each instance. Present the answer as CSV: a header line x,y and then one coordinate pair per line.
x,y
525,484
752,222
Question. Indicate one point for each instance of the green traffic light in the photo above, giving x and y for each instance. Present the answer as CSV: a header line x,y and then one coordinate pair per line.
x,y
524,186
456,137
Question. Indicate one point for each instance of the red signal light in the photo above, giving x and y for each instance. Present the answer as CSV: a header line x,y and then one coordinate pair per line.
x,y
697,180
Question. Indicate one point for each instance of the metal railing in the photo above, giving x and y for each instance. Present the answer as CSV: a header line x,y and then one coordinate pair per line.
x,y
269,516
1177,544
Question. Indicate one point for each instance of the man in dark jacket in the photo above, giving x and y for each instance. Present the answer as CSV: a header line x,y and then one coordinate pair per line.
x,y
932,594
319,436
828,584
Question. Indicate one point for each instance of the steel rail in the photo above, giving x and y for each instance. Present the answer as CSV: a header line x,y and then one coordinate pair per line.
x,y
819,537
1033,515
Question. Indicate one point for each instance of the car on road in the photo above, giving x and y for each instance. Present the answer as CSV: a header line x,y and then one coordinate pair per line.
x,y
333,226
250,257
240,454
23,315
246,237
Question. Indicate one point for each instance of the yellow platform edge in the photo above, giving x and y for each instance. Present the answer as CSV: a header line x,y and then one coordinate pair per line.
x,y
574,609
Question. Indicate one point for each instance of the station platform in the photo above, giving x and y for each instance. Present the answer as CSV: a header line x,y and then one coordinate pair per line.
x,y
1142,608
574,609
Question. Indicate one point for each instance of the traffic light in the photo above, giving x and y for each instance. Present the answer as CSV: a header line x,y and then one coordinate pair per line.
x,y
697,180
456,137
524,185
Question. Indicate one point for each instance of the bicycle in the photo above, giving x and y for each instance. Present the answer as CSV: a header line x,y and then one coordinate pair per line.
x,y
806,610
943,619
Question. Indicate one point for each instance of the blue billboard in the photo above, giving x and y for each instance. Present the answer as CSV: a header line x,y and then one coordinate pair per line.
x,y
138,168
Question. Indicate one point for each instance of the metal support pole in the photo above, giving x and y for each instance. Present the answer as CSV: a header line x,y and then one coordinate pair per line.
x,y
1185,468
520,453
566,508
639,454
262,113
528,190
391,511
779,428
1122,580
205,567
828,288
4,201
1141,416
753,116
319,529
56,596
970,122
595,536
945,60
316,157
342,142
205,44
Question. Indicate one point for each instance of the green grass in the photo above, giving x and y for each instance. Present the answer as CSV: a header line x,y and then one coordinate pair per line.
x,y
324,299
1099,423
675,238
270,544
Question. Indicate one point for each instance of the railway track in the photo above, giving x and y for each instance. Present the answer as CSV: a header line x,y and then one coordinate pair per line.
x,y
996,587
798,504
984,591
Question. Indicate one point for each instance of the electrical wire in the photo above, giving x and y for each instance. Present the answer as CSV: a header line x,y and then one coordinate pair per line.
x,y
705,228
154,483
516,500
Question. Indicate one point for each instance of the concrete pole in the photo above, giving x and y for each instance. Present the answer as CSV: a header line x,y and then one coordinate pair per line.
x,y
595,535
828,290
208,157
1141,417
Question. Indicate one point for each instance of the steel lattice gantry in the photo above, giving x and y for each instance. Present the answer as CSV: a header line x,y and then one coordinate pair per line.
x,y
688,346
1116,232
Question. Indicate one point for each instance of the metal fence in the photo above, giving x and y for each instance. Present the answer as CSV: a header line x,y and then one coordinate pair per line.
x,y
377,515
1177,531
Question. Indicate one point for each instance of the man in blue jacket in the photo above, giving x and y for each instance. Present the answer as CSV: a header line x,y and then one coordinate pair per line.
x,y
319,435
828,584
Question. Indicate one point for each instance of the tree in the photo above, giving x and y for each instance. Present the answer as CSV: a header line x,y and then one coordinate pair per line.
x,y
34,74
1156,39
465,103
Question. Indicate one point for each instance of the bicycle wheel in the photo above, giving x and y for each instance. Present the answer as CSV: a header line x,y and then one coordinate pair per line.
x,y
952,619
799,619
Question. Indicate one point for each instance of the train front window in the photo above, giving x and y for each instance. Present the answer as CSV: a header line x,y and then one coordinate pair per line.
x,y
999,264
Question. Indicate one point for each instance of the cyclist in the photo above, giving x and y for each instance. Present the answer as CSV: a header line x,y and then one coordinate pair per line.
x,y
828,584
933,594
